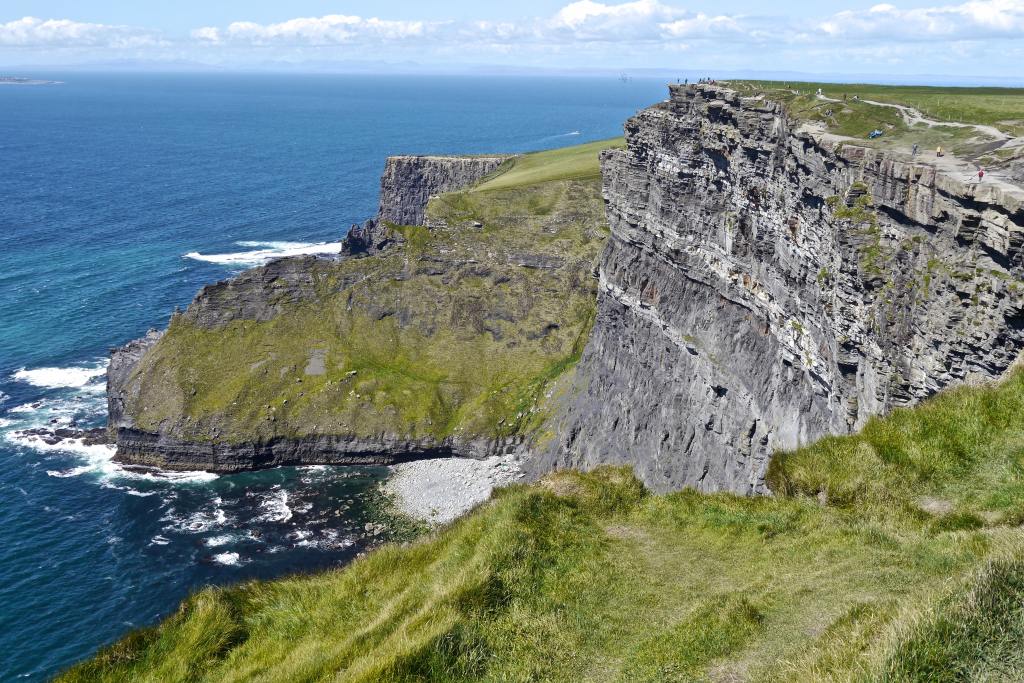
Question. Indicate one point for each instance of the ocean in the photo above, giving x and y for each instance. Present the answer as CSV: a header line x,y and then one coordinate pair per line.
x,y
120,196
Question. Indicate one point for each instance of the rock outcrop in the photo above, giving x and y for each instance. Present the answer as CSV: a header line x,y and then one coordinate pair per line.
x,y
121,390
762,288
437,343
409,182
406,187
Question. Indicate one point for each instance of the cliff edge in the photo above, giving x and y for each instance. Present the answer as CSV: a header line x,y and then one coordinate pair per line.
x,y
764,286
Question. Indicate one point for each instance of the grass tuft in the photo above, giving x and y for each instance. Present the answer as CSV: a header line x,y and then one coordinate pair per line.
x,y
894,554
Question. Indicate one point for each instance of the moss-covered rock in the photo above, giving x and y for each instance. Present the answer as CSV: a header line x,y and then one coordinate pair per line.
x,y
443,342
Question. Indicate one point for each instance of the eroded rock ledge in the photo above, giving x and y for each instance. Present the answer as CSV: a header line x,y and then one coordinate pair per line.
x,y
763,288
406,186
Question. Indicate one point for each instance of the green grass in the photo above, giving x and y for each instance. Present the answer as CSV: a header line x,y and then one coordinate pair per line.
x,y
447,335
1002,108
568,163
895,554
999,107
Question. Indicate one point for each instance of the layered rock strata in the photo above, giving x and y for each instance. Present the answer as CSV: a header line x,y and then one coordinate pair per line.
x,y
406,186
409,182
762,288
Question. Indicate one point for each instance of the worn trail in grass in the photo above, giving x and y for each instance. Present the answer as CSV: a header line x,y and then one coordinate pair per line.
x,y
973,126
895,554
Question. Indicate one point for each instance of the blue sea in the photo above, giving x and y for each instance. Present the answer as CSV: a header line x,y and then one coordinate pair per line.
x,y
120,196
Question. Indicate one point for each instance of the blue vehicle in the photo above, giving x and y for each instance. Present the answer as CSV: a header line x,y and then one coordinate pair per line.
x,y
875,134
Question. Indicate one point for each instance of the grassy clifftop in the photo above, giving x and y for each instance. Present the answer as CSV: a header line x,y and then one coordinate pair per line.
x,y
896,554
978,124
454,332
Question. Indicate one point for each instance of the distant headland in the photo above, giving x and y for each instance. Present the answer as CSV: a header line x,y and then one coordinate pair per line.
x,y
19,80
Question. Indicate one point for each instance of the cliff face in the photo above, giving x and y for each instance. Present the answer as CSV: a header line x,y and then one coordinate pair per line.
x,y
437,342
762,288
409,182
406,187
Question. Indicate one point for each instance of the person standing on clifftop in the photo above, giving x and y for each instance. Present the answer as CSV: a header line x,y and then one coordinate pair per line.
x,y
913,150
981,174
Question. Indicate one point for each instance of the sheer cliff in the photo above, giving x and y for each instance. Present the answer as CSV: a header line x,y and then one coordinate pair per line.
x,y
764,286
406,187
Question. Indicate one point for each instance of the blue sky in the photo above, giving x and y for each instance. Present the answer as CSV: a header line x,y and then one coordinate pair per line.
x,y
954,38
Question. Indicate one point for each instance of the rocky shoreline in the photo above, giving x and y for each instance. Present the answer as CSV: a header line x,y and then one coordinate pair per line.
x,y
440,490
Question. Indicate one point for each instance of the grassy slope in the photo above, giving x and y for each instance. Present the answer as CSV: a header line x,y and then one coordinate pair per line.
x,y
894,554
446,335
569,163
1002,108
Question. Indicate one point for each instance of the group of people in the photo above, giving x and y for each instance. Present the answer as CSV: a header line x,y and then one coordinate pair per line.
x,y
686,81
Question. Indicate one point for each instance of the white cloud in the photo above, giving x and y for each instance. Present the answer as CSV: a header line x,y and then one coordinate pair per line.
x,y
33,32
580,33
332,29
583,21
587,20
975,20
702,25
586,16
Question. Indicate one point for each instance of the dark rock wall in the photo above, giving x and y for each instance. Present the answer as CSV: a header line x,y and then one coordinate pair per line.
x,y
406,187
409,182
762,289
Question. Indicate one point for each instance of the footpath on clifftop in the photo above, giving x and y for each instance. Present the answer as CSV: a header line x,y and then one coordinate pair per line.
x,y
838,113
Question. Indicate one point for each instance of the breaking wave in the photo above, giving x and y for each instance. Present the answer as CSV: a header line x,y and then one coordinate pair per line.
x,y
64,378
263,252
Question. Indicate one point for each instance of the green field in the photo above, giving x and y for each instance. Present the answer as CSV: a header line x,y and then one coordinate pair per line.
x,y
896,554
1002,108
568,163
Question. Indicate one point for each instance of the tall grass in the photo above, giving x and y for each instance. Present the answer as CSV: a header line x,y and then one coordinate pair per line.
x,y
894,554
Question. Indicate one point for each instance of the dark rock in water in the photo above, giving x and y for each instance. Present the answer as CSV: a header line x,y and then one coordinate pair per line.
x,y
52,437
166,452
763,287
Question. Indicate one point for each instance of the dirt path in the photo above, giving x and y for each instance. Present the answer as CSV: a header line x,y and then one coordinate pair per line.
x,y
964,170
912,117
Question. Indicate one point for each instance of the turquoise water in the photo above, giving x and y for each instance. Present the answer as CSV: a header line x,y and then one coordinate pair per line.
x,y
120,196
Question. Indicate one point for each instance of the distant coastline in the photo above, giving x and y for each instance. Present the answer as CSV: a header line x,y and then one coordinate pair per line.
x,y
18,80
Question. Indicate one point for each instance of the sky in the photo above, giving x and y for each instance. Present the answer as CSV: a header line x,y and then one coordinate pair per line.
x,y
976,38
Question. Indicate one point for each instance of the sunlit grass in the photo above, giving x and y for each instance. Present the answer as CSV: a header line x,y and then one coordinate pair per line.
x,y
862,568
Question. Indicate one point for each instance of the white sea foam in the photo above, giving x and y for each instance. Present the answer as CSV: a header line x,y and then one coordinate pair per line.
x,y
63,378
276,506
99,459
215,541
159,540
198,522
266,251
3,398
228,559
330,539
